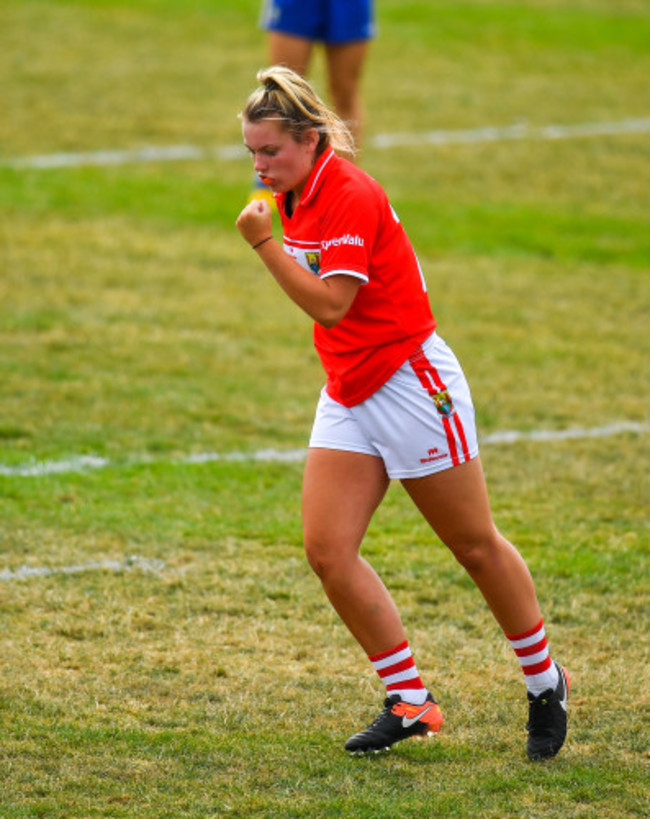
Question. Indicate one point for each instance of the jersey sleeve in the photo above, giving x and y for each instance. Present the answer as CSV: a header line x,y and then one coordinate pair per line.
x,y
348,233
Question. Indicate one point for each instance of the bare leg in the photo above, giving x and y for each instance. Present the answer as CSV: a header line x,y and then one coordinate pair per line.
x,y
341,491
345,68
292,52
455,503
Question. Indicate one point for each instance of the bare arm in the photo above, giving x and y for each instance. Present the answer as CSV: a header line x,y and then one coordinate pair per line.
x,y
325,300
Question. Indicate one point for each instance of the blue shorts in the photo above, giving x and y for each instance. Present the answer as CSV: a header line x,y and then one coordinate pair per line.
x,y
329,21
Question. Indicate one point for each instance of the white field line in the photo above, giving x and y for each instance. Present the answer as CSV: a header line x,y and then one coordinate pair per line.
x,y
131,563
156,566
518,131
228,153
82,463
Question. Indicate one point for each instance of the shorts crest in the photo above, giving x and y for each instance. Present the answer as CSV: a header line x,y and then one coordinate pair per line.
x,y
443,402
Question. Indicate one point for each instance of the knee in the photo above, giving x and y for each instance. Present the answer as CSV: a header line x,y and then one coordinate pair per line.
x,y
320,557
331,559
478,552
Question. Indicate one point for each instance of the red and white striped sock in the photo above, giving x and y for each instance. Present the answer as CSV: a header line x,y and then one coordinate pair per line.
x,y
534,658
396,669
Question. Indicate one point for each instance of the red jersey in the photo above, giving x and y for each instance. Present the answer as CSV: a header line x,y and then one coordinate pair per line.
x,y
344,224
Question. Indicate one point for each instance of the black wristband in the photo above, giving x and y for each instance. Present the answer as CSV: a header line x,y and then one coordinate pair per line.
x,y
261,243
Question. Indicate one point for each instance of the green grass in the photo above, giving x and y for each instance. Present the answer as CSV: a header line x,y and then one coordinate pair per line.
x,y
209,677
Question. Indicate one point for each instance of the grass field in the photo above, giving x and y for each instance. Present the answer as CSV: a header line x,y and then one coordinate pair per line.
x,y
165,649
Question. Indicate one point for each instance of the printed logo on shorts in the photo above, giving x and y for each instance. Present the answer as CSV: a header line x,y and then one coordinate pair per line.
x,y
443,403
434,455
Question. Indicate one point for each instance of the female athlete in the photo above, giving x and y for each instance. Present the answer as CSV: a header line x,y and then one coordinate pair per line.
x,y
396,405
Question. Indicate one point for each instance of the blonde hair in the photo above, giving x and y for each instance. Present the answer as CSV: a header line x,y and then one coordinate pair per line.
x,y
286,96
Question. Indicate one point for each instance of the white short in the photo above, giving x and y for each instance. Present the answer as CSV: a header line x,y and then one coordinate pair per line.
x,y
420,422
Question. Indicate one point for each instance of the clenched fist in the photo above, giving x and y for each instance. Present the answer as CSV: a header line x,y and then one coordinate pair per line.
x,y
255,222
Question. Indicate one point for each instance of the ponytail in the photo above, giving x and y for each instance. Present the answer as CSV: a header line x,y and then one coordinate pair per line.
x,y
285,95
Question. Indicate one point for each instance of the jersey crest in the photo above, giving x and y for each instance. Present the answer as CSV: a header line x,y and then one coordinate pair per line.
x,y
306,253
313,260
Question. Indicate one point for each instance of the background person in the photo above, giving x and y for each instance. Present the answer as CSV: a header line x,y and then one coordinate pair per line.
x,y
345,28
396,406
